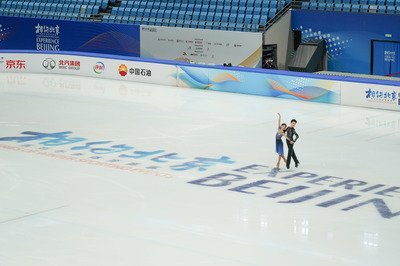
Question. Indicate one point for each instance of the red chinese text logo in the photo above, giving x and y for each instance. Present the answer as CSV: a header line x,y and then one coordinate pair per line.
x,y
16,64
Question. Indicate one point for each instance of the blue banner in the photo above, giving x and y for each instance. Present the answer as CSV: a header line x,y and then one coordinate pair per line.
x,y
60,35
386,58
347,35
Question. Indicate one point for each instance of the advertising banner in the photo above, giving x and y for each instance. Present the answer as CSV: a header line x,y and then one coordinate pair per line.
x,y
278,84
61,35
201,46
263,84
89,66
371,95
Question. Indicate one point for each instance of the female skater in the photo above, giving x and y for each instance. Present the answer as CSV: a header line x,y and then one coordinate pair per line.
x,y
279,143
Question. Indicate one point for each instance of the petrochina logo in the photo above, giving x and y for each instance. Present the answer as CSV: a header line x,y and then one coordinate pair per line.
x,y
123,70
49,64
99,67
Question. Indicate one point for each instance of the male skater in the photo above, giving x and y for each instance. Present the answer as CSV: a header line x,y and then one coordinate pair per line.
x,y
291,132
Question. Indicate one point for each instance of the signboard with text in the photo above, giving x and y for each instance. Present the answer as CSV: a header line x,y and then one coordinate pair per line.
x,y
201,45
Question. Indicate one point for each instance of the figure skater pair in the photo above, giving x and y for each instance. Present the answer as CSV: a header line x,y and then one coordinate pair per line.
x,y
291,137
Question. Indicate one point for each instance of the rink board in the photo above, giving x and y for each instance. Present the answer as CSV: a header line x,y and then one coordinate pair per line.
x,y
271,83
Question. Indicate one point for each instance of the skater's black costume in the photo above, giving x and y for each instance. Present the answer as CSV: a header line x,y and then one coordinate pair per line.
x,y
291,132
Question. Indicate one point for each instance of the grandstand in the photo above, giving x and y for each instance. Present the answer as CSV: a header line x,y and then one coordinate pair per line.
x,y
363,6
251,15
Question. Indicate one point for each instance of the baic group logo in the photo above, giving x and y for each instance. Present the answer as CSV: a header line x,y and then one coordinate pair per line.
x,y
99,67
123,70
49,64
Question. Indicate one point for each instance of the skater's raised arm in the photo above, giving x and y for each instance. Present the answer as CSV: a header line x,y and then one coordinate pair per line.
x,y
279,120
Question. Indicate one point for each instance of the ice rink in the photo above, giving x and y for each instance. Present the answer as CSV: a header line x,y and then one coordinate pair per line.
x,y
102,172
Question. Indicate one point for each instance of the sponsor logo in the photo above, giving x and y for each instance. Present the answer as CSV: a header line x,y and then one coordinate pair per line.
x,y
390,56
99,67
15,64
123,70
150,29
389,97
47,37
140,72
49,64
69,64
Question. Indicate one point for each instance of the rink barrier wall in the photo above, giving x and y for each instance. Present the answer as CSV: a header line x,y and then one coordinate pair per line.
x,y
350,91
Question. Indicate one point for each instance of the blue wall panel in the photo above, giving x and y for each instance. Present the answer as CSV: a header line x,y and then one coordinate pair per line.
x,y
386,58
348,35
58,35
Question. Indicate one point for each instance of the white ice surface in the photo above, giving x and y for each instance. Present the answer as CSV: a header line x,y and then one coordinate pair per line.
x,y
62,211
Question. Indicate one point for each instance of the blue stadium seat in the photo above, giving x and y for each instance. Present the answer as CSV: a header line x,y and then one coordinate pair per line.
x,y
337,7
329,7
364,8
272,12
321,6
313,6
391,10
225,17
247,19
235,9
382,9
274,4
346,7
355,8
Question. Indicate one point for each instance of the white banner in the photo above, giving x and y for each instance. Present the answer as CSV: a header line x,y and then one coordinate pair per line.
x,y
370,95
201,46
136,71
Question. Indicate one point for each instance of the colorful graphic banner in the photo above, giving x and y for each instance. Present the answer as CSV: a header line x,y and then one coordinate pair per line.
x,y
263,84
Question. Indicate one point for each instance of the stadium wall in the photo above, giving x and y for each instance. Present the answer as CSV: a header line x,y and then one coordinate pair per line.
x,y
169,43
348,35
281,35
271,83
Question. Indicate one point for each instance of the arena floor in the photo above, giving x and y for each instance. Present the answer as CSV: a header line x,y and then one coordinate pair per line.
x,y
101,172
